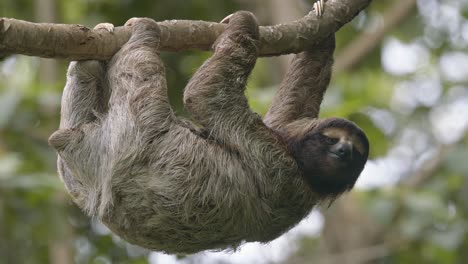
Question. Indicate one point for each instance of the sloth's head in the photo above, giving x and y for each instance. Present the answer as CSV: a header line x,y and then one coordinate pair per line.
x,y
331,154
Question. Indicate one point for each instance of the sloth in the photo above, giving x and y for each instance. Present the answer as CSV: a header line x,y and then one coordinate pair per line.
x,y
224,178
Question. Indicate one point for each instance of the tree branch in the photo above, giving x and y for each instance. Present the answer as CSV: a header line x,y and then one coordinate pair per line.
x,y
76,42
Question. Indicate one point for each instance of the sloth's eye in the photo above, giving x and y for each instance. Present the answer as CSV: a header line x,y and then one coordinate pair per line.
x,y
330,141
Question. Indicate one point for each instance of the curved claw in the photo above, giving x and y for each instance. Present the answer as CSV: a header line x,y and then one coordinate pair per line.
x,y
105,26
226,19
318,7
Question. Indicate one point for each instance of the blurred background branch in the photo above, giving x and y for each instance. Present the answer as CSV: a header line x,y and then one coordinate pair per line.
x,y
368,40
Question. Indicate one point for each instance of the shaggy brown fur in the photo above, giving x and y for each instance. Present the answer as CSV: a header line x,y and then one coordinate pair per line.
x,y
166,185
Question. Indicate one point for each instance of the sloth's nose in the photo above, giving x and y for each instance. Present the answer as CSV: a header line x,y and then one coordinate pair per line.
x,y
344,150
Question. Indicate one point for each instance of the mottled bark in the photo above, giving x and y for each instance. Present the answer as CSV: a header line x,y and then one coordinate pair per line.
x,y
76,42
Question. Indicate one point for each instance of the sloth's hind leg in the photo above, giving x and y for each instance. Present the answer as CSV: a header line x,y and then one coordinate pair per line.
x,y
83,99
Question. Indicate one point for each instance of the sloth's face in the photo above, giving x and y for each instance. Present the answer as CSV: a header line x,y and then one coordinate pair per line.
x,y
332,155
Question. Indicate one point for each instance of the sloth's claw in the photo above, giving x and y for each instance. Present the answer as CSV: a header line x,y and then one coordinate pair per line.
x,y
226,19
105,26
318,7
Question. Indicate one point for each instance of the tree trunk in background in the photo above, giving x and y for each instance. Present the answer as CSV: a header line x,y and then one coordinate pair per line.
x,y
272,13
46,11
349,235
60,243
3,246
283,12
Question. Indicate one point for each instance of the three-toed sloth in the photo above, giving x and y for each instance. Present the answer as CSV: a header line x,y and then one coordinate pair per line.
x,y
171,185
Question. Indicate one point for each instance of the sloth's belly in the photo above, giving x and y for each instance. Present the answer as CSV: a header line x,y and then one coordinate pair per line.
x,y
199,221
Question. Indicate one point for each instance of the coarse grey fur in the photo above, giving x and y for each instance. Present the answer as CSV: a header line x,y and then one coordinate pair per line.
x,y
165,184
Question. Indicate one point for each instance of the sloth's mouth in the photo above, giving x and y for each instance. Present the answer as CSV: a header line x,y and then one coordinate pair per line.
x,y
334,155
340,156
